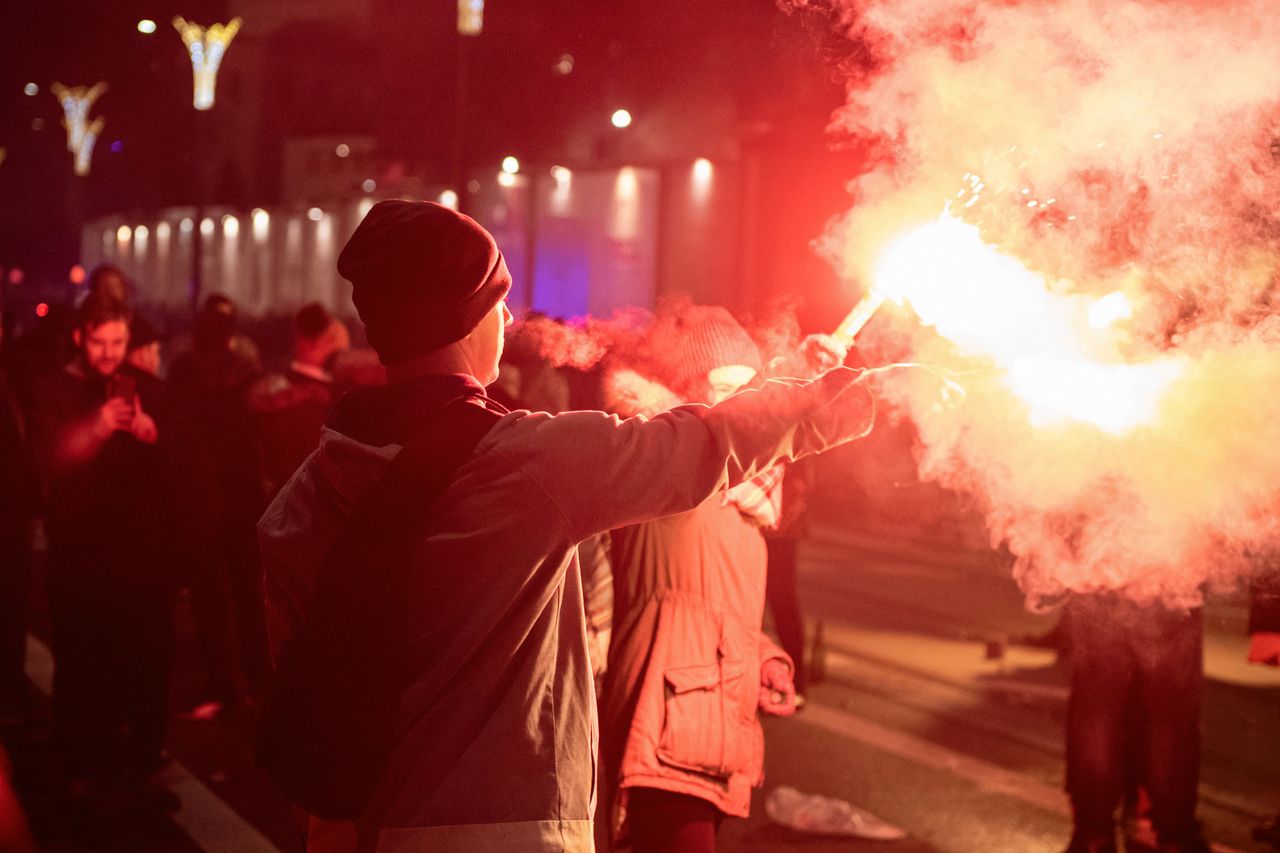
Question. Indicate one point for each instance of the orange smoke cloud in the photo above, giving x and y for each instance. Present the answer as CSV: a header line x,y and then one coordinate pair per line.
x,y
1121,163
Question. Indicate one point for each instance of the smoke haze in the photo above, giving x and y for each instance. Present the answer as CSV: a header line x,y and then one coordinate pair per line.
x,y
1106,146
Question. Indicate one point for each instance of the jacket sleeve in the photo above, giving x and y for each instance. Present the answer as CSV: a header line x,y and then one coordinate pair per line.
x,y
604,472
769,650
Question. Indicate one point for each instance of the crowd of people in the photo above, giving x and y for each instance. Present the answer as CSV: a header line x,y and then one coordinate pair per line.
x,y
144,482
484,568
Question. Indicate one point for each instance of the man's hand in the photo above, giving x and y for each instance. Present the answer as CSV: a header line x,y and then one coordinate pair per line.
x,y
1264,648
115,415
144,426
777,690
823,352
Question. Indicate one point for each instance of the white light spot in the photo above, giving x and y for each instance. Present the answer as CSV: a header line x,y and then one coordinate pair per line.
x,y
343,149
510,165
506,179
315,214
449,199
146,26
206,227
31,90
230,226
123,233
369,185
621,118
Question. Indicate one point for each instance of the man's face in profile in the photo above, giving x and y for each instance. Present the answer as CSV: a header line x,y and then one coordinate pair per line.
x,y
104,346
486,342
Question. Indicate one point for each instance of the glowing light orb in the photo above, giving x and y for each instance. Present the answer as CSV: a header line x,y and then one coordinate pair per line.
x,y
368,185
506,179
621,118
124,233
146,26
207,45
510,165
470,17
31,90
343,150
1057,351
315,214
449,199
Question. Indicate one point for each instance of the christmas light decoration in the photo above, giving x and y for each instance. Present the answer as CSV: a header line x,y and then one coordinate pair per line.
x,y
207,45
82,134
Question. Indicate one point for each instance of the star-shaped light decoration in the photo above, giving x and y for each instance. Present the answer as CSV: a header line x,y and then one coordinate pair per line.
x,y
206,46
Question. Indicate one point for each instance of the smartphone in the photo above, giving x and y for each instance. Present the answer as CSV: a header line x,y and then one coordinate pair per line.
x,y
122,385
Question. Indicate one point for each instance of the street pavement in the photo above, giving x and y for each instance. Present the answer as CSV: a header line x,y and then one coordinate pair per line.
x,y
929,717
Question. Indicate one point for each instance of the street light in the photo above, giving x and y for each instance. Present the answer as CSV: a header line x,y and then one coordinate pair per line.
x,y
470,17
206,46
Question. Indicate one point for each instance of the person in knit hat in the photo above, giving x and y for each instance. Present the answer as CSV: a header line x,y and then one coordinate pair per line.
x,y
495,740
689,666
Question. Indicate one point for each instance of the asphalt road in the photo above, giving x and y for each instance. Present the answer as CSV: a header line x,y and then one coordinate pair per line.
x,y
928,719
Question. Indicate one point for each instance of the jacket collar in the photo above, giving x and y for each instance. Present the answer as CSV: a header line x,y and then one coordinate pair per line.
x,y
393,414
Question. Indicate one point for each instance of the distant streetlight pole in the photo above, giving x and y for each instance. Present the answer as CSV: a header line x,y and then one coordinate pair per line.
x,y
470,26
206,47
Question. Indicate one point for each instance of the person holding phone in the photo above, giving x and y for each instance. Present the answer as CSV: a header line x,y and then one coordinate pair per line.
x,y
97,436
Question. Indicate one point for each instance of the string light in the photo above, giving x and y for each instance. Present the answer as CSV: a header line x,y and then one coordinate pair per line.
x,y
207,45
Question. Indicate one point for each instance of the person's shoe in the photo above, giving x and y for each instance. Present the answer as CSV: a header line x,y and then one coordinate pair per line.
x,y
1096,844
1140,835
204,712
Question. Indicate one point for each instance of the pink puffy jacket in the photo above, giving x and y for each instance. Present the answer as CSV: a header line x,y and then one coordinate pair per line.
x,y
679,708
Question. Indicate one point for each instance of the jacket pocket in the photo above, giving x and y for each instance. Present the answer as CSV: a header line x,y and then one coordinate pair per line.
x,y
699,728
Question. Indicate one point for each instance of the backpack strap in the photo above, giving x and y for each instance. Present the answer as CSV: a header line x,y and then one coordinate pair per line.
x,y
327,722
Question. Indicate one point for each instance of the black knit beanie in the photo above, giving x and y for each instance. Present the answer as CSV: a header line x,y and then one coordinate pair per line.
x,y
422,275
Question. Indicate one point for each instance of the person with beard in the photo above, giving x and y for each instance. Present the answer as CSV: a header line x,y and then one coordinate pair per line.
x,y
289,409
98,428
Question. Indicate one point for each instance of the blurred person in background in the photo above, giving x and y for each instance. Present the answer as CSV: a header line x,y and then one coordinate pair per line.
x,y
99,428
689,665
19,504
289,409
107,282
1264,649
221,499
144,346
1133,717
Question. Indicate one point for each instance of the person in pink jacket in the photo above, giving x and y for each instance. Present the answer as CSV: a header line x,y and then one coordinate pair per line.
x,y
496,736
689,666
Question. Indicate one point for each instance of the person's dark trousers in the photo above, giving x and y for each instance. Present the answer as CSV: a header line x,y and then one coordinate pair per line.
x,y
112,646
1128,660
784,603
228,611
666,822
15,578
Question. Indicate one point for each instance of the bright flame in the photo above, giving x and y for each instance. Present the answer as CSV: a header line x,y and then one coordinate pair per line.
x,y
1056,350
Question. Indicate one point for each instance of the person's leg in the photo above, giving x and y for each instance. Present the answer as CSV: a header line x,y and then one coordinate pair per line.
x,y
148,643
244,575
211,618
14,579
784,604
1101,676
1171,682
665,822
